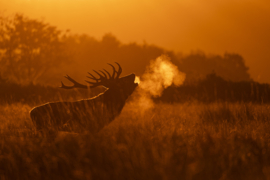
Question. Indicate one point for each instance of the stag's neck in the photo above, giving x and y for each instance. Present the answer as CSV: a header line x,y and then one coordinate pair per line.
x,y
114,98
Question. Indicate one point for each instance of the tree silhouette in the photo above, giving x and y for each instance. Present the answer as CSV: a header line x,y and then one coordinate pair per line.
x,y
29,48
231,66
31,51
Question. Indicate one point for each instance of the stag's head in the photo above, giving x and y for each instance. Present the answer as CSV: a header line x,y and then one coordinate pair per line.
x,y
125,85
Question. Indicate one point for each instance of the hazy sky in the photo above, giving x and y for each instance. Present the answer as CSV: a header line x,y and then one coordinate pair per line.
x,y
213,26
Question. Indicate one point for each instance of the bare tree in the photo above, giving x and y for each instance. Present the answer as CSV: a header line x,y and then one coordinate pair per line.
x,y
87,114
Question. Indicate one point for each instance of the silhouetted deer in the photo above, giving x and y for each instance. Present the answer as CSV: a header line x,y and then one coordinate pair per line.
x,y
87,114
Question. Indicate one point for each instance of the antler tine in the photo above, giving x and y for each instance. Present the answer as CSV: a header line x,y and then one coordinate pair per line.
x,y
101,77
64,86
104,74
99,81
119,71
92,77
113,70
75,84
108,73
94,84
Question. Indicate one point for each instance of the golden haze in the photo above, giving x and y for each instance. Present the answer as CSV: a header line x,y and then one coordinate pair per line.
x,y
240,26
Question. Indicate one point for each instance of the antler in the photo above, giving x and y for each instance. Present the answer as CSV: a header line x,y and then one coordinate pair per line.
x,y
102,80
117,72
75,84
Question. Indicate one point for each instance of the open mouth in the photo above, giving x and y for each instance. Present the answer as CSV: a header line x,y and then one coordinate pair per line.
x,y
137,80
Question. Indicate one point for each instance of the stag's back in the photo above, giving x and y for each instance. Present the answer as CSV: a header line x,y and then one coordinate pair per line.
x,y
84,115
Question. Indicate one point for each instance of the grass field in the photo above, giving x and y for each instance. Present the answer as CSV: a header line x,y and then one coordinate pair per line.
x,y
169,141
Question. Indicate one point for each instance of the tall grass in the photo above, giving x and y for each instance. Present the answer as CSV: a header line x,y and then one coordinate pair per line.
x,y
171,141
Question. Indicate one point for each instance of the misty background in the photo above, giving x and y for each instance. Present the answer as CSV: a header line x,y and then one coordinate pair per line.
x,y
33,51
213,27
35,56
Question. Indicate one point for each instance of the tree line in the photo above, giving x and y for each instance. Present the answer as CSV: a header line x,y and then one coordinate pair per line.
x,y
35,52
211,89
214,88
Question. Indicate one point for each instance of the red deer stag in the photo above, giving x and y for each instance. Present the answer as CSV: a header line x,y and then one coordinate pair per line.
x,y
87,114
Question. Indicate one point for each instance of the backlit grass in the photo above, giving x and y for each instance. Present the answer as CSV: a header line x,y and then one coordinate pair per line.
x,y
170,141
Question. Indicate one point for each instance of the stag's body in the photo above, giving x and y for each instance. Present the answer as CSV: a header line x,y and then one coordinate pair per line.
x,y
87,114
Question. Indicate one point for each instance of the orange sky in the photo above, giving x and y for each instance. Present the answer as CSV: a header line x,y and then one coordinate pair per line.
x,y
241,26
